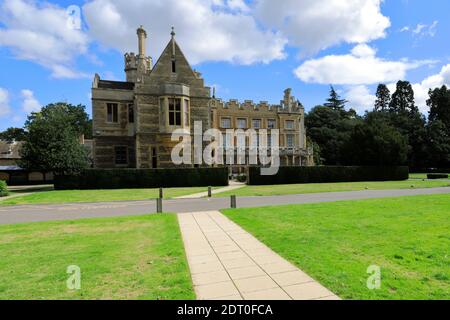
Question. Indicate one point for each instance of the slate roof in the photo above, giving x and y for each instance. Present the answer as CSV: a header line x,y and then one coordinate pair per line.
x,y
115,85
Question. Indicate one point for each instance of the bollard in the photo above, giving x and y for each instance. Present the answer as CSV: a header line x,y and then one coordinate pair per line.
x,y
161,194
159,205
209,192
233,202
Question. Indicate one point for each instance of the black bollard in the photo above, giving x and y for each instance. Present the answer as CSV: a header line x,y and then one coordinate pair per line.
x,y
159,205
161,194
209,192
233,202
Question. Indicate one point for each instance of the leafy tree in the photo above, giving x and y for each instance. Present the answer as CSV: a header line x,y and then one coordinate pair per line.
x,y
438,144
334,101
13,134
52,143
375,142
403,99
439,104
383,98
330,129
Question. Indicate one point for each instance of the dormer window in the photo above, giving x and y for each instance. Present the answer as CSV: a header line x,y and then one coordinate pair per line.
x,y
174,66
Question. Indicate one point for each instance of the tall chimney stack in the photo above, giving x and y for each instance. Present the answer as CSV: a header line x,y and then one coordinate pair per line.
x,y
142,35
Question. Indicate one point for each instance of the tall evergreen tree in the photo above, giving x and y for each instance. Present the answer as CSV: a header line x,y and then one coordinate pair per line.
x,y
334,101
439,104
383,98
403,99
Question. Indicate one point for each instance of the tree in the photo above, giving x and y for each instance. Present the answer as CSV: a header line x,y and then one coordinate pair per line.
x,y
13,134
334,101
403,99
438,145
439,104
330,129
375,142
383,98
52,143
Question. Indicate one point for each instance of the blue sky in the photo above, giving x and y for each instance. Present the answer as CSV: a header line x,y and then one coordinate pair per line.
x,y
247,49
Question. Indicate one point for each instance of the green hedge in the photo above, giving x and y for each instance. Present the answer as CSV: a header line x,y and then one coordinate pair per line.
x,y
437,176
143,178
320,174
3,189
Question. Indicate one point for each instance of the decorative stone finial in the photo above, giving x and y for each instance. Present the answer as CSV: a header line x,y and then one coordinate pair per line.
x,y
173,32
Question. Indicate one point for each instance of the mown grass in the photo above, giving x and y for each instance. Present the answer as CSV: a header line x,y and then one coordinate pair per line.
x,y
408,237
332,187
120,258
67,196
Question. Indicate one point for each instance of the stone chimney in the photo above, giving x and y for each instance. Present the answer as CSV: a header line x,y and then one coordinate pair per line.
x,y
142,36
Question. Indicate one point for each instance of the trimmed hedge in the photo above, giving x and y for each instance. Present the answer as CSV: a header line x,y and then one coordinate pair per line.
x,y
321,174
437,176
3,189
143,178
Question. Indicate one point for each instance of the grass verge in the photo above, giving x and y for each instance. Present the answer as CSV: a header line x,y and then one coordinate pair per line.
x,y
408,237
120,258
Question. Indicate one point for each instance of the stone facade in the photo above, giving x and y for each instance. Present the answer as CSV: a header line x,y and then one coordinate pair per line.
x,y
133,121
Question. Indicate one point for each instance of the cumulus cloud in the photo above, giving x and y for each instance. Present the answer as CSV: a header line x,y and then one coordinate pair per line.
x,y
30,103
207,30
361,66
41,32
360,98
318,24
4,102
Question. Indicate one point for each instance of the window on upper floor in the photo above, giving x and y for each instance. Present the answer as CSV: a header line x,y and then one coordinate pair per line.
x,y
290,140
121,155
174,112
130,113
242,123
289,124
186,112
112,110
271,123
174,66
256,123
225,123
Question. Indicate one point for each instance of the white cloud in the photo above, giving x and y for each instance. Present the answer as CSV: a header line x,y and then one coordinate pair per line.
x,y
435,81
207,30
360,98
361,66
4,102
319,24
422,29
30,103
40,32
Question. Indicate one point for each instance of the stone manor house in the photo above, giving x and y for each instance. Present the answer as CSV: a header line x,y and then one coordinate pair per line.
x,y
133,120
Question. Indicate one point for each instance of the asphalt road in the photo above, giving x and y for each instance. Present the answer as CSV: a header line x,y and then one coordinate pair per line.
x,y
36,213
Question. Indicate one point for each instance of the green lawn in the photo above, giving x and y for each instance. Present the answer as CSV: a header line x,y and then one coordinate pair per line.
x,y
48,197
120,258
408,237
331,187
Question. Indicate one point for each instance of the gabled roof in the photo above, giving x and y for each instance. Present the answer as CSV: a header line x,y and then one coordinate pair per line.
x,y
117,85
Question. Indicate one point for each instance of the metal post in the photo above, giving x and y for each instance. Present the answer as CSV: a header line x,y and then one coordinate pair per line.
x,y
233,202
209,192
161,194
159,205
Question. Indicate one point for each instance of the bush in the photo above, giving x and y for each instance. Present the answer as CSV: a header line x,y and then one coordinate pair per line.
x,y
143,178
437,176
322,174
3,189
241,178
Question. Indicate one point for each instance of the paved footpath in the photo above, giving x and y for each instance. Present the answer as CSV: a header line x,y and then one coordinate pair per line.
x,y
215,191
35,213
226,262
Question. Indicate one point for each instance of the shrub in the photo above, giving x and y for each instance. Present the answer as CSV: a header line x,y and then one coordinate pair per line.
x,y
3,189
437,176
322,174
143,178
241,178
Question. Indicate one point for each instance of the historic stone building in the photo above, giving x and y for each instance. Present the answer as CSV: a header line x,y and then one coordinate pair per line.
x,y
133,120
